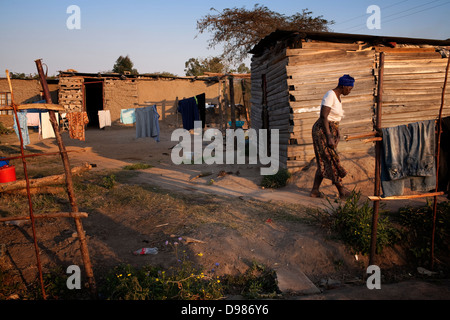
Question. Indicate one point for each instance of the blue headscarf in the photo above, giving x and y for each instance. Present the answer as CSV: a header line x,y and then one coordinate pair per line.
x,y
346,80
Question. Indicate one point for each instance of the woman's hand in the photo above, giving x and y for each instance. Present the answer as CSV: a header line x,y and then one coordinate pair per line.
x,y
331,142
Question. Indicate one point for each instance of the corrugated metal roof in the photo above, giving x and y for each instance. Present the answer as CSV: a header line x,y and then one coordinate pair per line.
x,y
281,35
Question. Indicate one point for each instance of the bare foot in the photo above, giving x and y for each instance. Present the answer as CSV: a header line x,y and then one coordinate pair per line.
x,y
316,194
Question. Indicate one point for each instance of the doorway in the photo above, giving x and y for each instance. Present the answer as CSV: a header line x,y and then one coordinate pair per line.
x,y
93,100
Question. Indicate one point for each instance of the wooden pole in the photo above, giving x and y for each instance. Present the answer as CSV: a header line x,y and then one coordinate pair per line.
x,y
30,204
437,161
40,182
69,183
378,146
406,197
233,107
48,216
226,103
247,116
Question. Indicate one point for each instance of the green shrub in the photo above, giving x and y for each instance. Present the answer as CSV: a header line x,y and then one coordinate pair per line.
x,y
137,166
109,182
259,281
276,180
353,223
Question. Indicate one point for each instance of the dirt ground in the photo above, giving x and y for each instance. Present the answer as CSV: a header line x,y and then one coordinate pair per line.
x,y
294,248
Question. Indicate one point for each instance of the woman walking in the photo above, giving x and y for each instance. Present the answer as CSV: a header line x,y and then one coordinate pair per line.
x,y
325,133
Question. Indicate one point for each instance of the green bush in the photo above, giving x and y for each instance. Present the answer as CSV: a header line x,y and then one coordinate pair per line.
x,y
259,281
276,180
353,222
109,182
138,166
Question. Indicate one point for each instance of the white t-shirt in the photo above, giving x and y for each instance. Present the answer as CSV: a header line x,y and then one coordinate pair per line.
x,y
331,100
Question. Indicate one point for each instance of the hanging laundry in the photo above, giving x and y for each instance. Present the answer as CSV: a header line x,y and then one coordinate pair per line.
x,y
23,127
155,126
77,122
33,117
45,126
189,112
408,156
147,122
127,116
104,118
201,105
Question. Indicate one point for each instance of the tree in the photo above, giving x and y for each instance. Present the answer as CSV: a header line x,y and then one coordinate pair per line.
x,y
197,66
239,29
124,64
242,68
164,74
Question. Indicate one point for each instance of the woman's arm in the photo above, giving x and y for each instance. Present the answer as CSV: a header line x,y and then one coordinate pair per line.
x,y
324,112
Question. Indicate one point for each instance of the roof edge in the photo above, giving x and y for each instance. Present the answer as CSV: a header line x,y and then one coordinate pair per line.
x,y
341,38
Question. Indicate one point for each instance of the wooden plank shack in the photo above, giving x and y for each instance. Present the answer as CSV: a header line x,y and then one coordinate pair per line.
x,y
291,71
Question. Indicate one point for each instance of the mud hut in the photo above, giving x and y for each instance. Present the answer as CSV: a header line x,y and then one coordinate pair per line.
x,y
291,71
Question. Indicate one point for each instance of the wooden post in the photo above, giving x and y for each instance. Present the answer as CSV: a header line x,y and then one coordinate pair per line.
x,y
247,116
226,103
233,107
378,146
220,104
69,184
48,216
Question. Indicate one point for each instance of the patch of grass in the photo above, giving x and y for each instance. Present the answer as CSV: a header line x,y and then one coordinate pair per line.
x,y
418,224
352,221
257,282
138,166
277,180
150,283
109,181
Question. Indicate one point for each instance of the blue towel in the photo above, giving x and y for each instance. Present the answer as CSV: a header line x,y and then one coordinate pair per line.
x,y
23,127
127,116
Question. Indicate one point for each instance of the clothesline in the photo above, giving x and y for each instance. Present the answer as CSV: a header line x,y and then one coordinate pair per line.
x,y
367,135
43,106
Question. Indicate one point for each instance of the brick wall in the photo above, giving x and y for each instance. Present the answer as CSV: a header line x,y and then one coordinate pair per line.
x,y
119,94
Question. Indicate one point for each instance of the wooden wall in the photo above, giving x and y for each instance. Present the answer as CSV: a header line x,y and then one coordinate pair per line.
x,y
312,71
272,67
298,78
412,86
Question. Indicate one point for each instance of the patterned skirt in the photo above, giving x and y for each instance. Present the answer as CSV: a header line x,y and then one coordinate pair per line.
x,y
327,158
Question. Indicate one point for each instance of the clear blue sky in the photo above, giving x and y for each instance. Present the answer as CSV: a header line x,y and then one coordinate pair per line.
x,y
162,35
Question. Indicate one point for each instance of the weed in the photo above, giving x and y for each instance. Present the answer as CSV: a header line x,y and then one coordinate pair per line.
x,y
109,182
276,180
138,166
419,223
353,223
258,281
181,282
